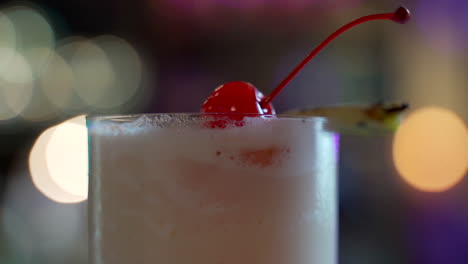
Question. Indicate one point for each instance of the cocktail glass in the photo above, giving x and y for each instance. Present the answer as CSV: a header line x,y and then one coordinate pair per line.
x,y
171,189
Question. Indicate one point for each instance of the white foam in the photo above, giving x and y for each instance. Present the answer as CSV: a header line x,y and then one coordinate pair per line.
x,y
188,139
178,192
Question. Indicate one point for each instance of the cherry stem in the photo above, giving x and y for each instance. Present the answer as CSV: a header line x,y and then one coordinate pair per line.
x,y
401,15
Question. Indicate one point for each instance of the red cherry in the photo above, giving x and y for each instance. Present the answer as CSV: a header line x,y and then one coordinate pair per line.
x,y
238,98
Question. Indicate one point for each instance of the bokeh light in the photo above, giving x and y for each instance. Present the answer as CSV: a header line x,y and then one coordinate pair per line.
x,y
127,68
26,47
53,90
38,58
57,82
18,69
58,161
16,85
40,172
8,32
67,156
91,68
42,107
7,41
40,80
39,109
430,149
32,31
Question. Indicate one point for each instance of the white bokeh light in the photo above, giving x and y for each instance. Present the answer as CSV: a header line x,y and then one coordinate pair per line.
x,y
7,41
7,28
93,73
41,108
57,82
38,58
40,173
32,31
58,161
67,156
16,87
127,66
18,70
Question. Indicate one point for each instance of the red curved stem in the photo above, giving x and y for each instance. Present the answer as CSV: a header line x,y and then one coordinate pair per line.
x,y
277,90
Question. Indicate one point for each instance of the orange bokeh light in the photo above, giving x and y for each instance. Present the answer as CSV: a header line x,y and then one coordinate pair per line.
x,y
430,149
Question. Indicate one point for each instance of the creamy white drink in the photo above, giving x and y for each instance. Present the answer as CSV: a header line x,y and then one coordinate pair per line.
x,y
167,189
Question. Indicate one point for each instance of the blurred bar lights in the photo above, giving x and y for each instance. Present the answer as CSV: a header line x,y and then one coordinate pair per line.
x,y
430,149
42,78
58,161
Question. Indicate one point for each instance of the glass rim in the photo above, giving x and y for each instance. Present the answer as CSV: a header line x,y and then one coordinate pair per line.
x,y
130,117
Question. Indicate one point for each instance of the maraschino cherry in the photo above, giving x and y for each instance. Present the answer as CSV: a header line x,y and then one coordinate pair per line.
x,y
243,98
232,98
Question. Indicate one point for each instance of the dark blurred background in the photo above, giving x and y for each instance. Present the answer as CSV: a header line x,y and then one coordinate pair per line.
x,y
64,59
